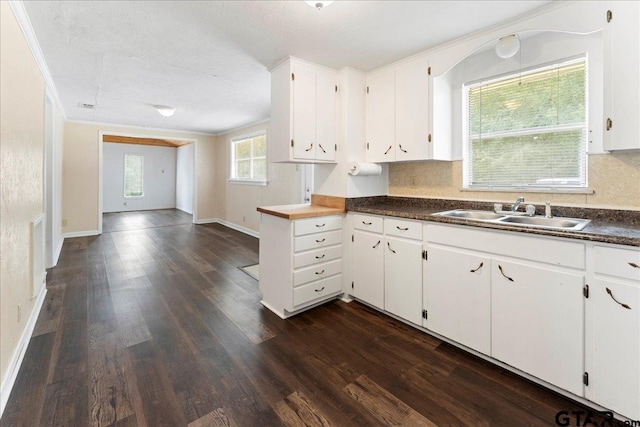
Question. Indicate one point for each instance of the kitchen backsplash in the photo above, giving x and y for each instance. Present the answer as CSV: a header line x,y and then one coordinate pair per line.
x,y
613,178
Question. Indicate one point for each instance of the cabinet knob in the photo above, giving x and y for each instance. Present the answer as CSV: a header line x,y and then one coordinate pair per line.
x,y
320,241
634,265
376,245
389,246
320,145
320,290
402,149
320,225
401,228
477,268
320,257
310,147
388,149
502,272
319,272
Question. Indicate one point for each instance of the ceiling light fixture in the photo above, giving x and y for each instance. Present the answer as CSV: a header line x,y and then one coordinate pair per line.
x,y
508,46
318,4
165,110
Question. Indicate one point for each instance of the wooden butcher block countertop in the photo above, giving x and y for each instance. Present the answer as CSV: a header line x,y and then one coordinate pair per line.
x,y
320,206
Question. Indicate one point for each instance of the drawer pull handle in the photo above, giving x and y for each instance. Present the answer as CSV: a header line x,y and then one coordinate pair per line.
x,y
614,298
389,246
402,229
320,257
320,241
634,265
502,272
320,272
320,225
388,150
310,147
477,268
367,223
320,290
320,145
376,245
402,149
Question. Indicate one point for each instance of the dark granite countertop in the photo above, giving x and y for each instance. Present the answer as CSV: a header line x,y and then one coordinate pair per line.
x,y
607,225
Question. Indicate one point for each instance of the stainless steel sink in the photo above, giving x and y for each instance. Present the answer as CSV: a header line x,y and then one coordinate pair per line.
x,y
479,215
558,223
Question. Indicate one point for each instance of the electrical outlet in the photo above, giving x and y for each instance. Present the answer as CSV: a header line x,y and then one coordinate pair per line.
x,y
64,222
19,313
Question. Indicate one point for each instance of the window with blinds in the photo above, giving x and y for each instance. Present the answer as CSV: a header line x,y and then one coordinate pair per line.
x,y
528,129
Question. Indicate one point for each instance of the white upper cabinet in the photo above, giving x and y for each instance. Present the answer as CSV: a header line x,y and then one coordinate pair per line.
x,y
622,77
303,113
398,113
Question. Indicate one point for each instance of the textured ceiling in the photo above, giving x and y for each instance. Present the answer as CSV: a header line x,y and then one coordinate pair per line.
x,y
210,59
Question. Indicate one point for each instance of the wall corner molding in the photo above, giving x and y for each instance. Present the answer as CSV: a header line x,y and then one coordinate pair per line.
x,y
21,15
18,355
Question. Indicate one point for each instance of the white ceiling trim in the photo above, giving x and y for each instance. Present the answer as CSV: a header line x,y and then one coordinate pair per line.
x,y
153,129
248,125
20,13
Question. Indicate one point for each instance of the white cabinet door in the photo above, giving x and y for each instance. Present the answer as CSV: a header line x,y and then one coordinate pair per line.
x,y
412,110
537,321
304,113
403,278
457,296
380,122
325,116
615,378
622,90
368,268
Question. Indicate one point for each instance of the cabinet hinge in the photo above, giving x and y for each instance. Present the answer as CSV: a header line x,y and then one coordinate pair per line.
x,y
425,255
585,291
351,285
429,138
367,89
352,237
336,147
424,314
293,76
336,88
609,123
367,145
585,378
609,15
292,142
429,70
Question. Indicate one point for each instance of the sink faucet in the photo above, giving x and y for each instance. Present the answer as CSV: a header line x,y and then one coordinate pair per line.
x,y
517,204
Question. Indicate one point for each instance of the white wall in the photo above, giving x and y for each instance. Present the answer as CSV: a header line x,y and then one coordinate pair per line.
x,y
159,178
184,178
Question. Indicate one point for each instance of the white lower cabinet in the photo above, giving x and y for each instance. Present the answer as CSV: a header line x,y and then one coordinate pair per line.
x,y
368,268
537,318
403,278
457,296
613,360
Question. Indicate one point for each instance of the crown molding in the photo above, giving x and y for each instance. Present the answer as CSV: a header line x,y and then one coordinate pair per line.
x,y
20,13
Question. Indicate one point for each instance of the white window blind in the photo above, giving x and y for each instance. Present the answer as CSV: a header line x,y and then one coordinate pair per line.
x,y
528,129
133,175
249,158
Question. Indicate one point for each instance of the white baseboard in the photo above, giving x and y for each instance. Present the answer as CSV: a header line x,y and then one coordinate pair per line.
x,y
19,352
81,234
236,227
56,254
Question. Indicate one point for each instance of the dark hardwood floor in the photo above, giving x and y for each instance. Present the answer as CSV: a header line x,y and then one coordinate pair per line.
x,y
137,220
157,327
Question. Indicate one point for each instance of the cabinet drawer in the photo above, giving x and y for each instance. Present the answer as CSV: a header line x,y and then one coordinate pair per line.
x,y
319,240
317,290
367,223
617,262
403,228
317,256
317,225
316,272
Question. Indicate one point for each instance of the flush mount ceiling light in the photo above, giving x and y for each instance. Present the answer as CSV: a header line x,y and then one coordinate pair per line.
x,y
508,46
318,4
165,110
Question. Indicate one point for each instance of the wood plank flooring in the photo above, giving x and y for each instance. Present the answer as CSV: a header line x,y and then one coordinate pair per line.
x,y
154,325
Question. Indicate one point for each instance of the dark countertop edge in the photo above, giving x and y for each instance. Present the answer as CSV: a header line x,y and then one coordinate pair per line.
x,y
393,209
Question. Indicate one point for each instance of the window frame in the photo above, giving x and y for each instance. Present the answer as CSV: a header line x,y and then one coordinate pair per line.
x,y
232,167
124,175
523,187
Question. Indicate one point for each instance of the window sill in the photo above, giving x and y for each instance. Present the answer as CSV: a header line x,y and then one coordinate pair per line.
x,y
247,182
134,197
529,190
